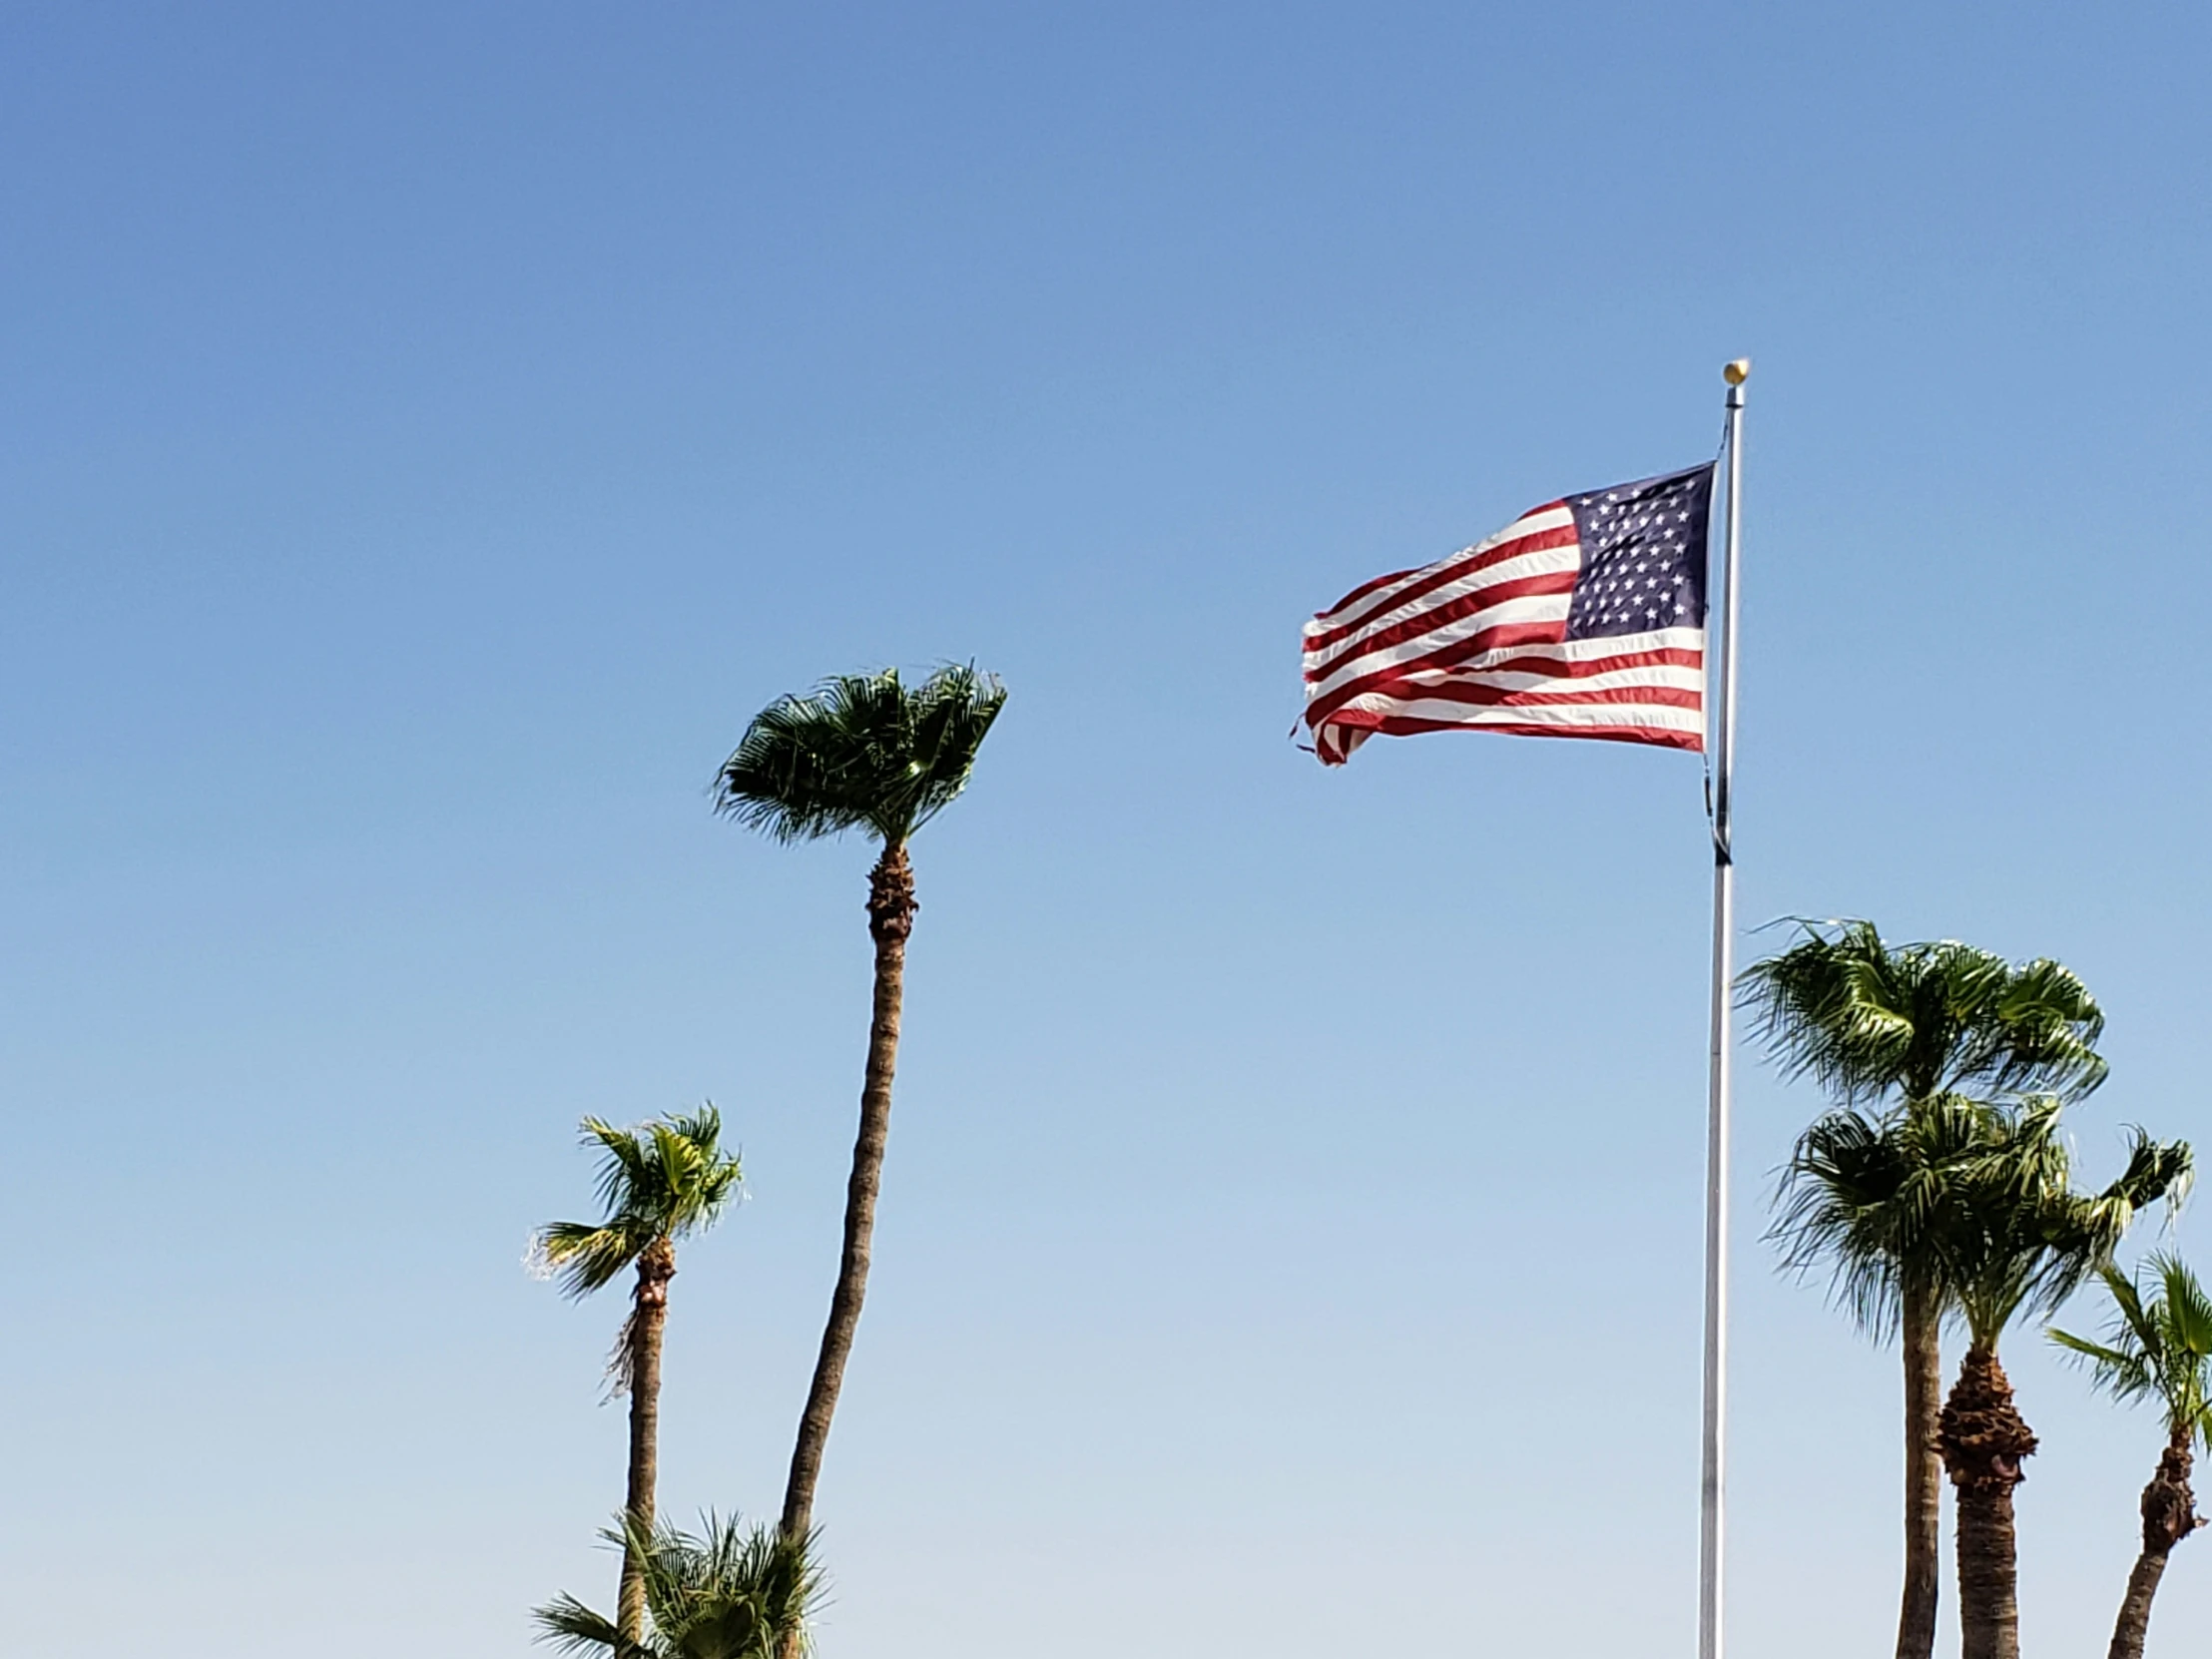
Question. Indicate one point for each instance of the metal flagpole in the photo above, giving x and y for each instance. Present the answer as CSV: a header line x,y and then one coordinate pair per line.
x,y
1713,1475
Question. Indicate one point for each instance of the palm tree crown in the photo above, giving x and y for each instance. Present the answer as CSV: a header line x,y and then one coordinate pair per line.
x,y
1870,1195
1972,1198
2158,1346
663,1181
864,751
1870,1020
2019,1237
731,1592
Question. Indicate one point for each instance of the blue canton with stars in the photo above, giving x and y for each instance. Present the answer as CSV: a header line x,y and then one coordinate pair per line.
x,y
1643,555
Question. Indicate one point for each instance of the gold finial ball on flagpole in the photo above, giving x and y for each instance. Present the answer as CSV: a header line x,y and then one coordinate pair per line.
x,y
1737,373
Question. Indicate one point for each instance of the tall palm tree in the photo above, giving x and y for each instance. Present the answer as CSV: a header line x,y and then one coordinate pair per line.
x,y
1906,1028
2018,1239
868,753
658,1183
2158,1347
729,1593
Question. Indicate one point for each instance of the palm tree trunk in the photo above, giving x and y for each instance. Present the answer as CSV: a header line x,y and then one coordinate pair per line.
x,y
1984,1439
638,1364
1923,1474
2169,1516
890,911
2134,1624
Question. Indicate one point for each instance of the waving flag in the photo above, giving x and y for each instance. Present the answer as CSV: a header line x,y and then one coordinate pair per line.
x,y
1585,618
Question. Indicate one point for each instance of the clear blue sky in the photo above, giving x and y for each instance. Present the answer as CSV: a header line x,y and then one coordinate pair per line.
x,y
431,431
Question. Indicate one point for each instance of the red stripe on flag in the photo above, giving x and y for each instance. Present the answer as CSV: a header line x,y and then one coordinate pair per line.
x,y
1401,726
1504,637
1454,569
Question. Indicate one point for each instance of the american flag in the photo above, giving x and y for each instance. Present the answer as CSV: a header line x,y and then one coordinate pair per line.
x,y
1584,618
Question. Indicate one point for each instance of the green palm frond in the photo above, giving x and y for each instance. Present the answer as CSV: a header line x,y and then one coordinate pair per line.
x,y
1840,1200
2157,1170
2188,1309
622,1165
567,1624
1872,1196
2124,1374
2127,1301
864,751
703,1127
1868,1020
2045,1032
2023,1238
585,1257
2158,1343
728,1591
664,1180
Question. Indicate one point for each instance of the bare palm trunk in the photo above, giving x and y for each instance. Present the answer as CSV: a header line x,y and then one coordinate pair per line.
x,y
1923,1474
1983,1440
638,1362
890,911
2169,1516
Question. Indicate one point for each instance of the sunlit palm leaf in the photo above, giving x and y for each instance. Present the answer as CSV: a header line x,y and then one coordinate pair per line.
x,y
2158,1343
665,1181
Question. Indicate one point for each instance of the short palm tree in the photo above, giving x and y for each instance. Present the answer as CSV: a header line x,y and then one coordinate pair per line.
x,y
2017,1238
731,1592
657,1184
1909,1029
2158,1347
867,753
